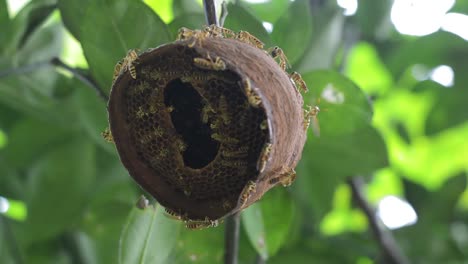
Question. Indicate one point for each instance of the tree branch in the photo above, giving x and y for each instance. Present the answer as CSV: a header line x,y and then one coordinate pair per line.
x,y
210,12
231,228
231,238
384,238
87,80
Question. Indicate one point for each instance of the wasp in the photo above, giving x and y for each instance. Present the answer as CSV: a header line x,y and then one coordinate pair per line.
x,y
227,205
217,31
170,109
234,163
216,123
163,153
277,52
140,113
197,36
200,224
311,113
224,139
224,111
252,97
264,156
159,131
173,215
248,38
209,64
205,113
241,152
286,179
126,64
247,192
107,135
264,125
299,82
181,146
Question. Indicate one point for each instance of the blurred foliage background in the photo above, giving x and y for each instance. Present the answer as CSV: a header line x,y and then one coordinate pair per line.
x,y
392,76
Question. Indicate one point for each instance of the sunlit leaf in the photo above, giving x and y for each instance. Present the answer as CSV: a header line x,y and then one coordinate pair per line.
x,y
293,30
148,236
16,210
119,26
3,139
366,69
65,174
240,19
163,8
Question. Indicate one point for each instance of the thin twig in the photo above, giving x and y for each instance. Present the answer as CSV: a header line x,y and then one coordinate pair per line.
x,y
210,12
224,13
87,80
231,239
385,239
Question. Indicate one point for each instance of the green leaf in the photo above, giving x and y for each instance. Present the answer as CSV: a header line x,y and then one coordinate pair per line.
x,y
27,20
324,46
5,22
148,236
430,51
252,220
449,106
73,15
163,8
203,246
30,139
92,115
269,11
348,145
118,26
190,20
365,67
183,7
65,174
268,222
373,17
293,31
241,19
103,223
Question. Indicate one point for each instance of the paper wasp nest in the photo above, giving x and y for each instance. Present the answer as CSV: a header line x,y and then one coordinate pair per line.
x,y
206,124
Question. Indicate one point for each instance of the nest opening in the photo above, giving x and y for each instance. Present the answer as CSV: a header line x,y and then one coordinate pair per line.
x,y
186,119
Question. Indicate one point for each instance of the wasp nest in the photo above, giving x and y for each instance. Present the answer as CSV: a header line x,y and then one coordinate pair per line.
x,y
209,123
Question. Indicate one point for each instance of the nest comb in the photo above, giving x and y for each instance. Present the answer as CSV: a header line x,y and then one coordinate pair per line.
x,y
206,124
